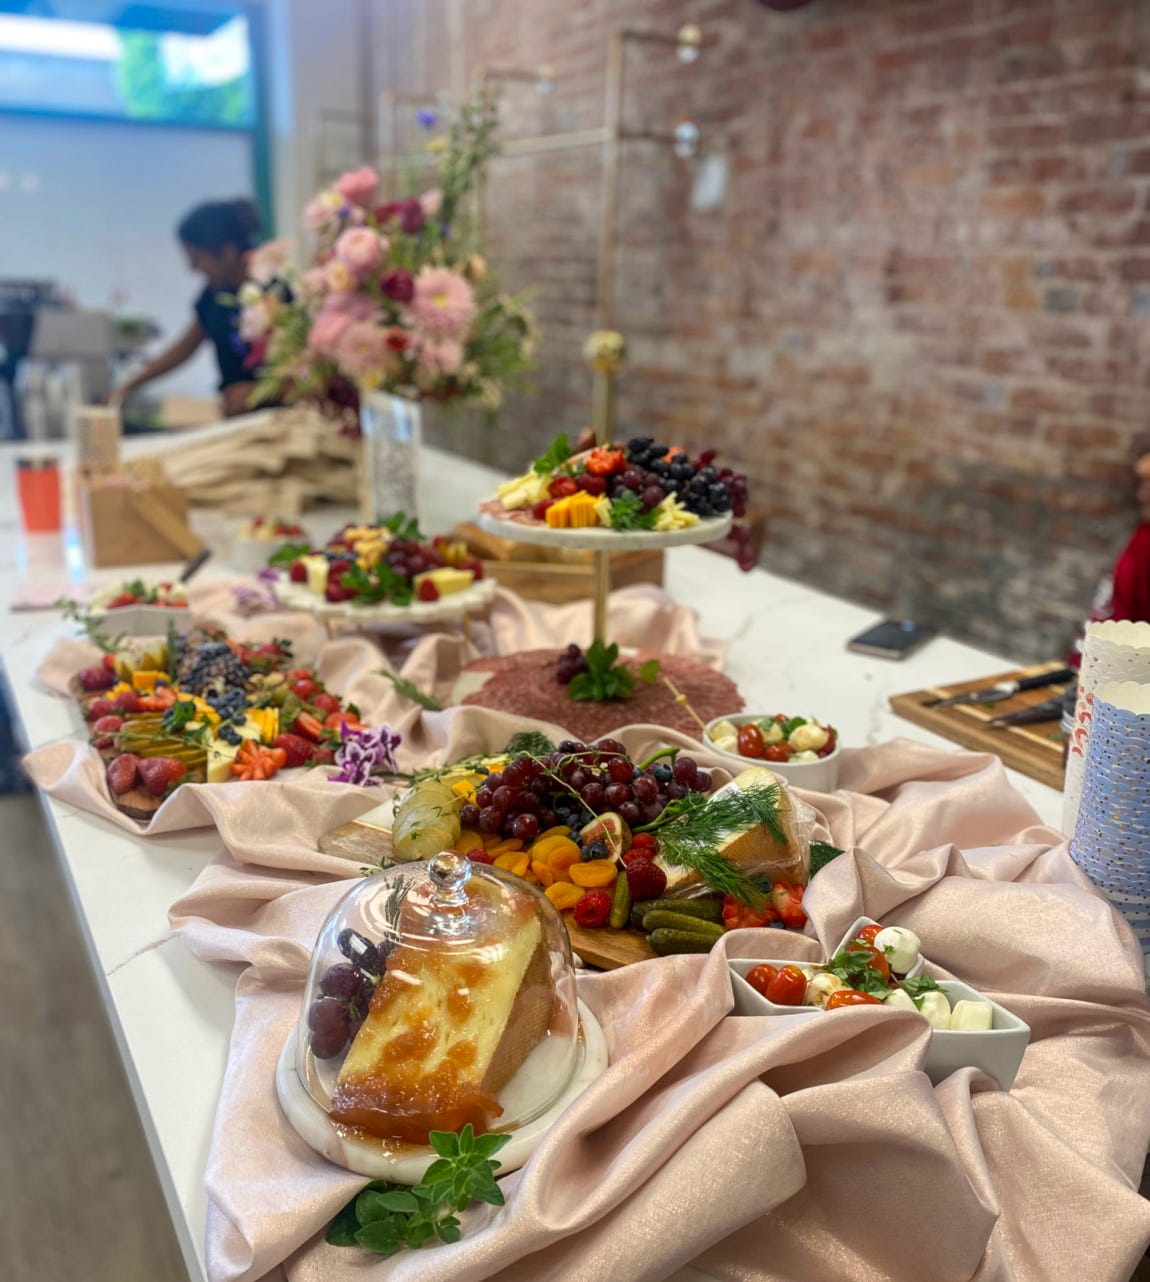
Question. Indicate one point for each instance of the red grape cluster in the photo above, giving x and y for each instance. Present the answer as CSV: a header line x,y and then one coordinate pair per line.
x,y
335,1017
574,783
570,663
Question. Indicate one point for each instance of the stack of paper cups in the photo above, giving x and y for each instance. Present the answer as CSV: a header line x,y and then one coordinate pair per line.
x,y
1114,651
1111,842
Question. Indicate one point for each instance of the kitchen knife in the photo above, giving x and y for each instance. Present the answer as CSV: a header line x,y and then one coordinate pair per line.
x,y
1006,689
1051,710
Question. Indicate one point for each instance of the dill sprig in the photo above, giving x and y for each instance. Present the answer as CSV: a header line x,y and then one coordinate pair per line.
x,y
411,691
90,624
691,832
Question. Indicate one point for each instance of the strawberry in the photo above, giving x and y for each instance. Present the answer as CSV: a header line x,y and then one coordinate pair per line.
x,y
93,679
298,572
299,750
637,852
539,510
474,564
304,688
736,914
562,487
109,662
336,594
787,901
337,568
99,708
107,725
480,856
325,703
121,599
127,701
428,591
322,755
645,880
594,909
161,773
123,773
307,727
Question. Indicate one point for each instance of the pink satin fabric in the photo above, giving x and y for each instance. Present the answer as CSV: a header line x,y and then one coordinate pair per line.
x,y
804,1147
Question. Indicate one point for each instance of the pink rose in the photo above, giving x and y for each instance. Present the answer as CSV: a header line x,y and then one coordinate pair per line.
x,y
363,352
267,261
358,186
430,202
360,249
327,330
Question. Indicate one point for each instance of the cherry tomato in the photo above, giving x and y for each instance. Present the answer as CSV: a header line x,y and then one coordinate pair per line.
x,y
849,997
760,978
751,740
829,746
777,752
868,933
788,988
875,958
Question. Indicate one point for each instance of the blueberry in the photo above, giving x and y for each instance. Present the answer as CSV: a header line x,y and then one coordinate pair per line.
x,y
662,772
595,850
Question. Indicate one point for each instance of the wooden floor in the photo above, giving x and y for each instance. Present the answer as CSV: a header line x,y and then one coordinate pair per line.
x,y
79,1198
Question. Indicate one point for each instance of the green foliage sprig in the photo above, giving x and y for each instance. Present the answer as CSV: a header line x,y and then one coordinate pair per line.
x,y
385,1217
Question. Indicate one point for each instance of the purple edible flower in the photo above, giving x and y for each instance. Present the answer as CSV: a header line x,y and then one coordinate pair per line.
x,y
362,752
427,118
251,600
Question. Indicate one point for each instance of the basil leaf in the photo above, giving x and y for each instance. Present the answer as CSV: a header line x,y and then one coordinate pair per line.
x,y
558,452
342,1230
398,1200
382,1236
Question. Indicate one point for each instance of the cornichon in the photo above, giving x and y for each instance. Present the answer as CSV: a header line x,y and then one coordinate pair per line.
x,y
660,919
621,904
705,909
665,942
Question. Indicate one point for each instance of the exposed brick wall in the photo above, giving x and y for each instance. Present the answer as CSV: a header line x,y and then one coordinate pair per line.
x,y
921,318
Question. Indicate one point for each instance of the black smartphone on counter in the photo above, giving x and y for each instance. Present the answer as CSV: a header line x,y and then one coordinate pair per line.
x,y
892,638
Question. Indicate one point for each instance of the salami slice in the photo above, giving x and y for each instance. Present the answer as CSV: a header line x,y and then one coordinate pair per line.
x,y
524,685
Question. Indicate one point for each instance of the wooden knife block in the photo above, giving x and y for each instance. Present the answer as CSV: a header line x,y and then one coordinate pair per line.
x,y
133,518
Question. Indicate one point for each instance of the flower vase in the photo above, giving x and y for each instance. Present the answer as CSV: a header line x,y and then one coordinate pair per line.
x,y
392,430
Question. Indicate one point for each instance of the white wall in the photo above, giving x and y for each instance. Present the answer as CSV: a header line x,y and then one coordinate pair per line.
x,y
94,207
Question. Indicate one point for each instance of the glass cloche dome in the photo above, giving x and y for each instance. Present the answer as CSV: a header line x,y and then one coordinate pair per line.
x,y
440,993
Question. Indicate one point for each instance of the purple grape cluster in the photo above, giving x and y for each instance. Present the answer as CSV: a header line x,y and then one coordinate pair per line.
x,y
574,783
335,1017
570,663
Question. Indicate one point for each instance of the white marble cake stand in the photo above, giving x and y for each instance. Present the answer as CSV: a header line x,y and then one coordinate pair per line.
x,y
450,607
310,1119
602,542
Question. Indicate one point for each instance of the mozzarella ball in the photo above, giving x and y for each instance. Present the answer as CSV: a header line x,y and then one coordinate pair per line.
x,y
808,738
899,946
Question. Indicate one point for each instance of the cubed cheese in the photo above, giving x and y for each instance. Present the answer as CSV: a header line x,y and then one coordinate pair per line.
x,y
969,1016
447,580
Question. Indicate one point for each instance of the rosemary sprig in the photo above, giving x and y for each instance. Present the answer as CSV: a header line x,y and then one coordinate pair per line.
x,y
411,691
81,614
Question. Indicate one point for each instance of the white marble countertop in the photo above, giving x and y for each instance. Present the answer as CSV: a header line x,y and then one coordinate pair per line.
x,y
171,1014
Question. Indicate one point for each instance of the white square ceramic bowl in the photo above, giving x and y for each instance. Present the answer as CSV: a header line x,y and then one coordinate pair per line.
x,y
815,776
997,1051
856,926
143,620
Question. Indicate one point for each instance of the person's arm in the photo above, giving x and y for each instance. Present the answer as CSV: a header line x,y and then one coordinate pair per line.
x,y
183,349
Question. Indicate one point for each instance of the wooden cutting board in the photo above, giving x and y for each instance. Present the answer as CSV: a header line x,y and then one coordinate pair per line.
x,y
1034,750
608,949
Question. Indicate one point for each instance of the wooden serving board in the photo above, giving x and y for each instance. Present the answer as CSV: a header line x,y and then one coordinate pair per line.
x,y
1034,750
608,949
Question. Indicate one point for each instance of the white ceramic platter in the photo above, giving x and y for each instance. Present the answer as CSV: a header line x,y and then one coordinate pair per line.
x,y
408,1166
454,605
599,538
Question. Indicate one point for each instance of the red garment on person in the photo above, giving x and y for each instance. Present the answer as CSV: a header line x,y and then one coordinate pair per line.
x,y
1131,593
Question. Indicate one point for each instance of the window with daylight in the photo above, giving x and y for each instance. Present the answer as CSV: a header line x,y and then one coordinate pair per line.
x,y
134,62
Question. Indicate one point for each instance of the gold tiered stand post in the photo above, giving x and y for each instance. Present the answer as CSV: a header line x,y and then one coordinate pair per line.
x,y
605,352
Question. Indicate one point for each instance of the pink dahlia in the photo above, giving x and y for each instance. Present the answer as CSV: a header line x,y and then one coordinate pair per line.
x,y
340,278
326,331
360,249
443,306
269,260
358,186
363,353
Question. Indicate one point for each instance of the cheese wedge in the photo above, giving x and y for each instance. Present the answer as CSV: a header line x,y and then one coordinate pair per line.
x,y
317,569
447,580
221,755
447,1029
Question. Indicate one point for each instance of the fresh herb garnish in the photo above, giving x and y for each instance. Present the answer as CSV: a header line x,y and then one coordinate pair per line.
x,y
627,513
822,852
558,452
404,527
411,691
82,615
180,715
289,552
917,986
533,742
379,584
649,671
855,968
692,830
604,679
385,1217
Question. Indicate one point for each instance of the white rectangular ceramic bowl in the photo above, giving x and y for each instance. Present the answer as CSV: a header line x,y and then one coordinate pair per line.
x,y
814,776
143,620
997,1051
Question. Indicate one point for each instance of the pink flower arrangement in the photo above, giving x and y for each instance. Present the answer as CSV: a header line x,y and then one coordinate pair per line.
x,y
358,186
394,295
